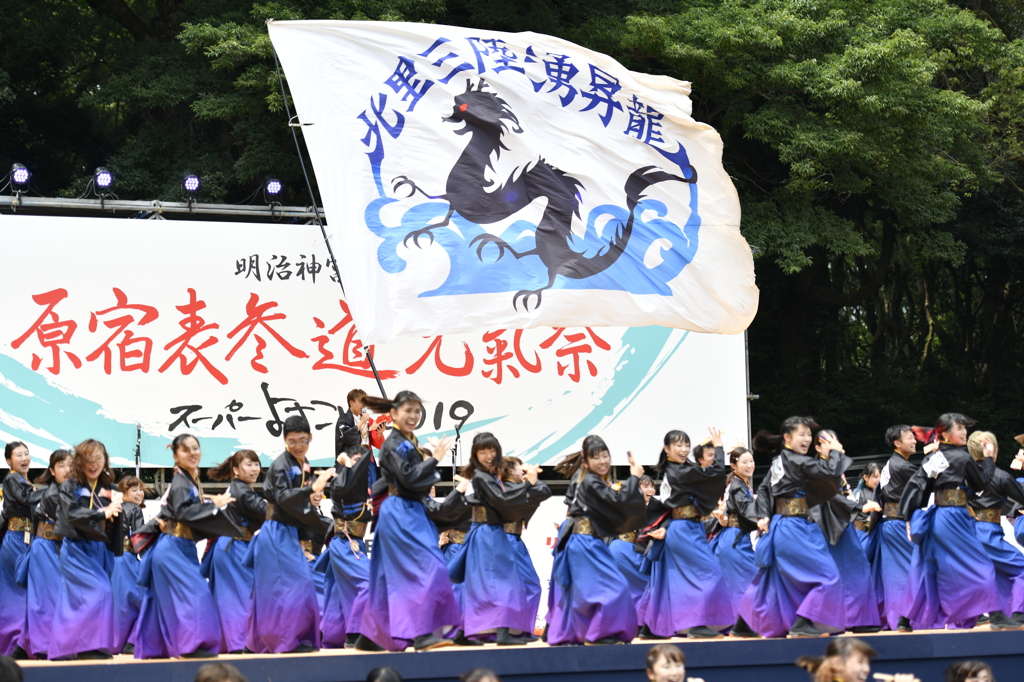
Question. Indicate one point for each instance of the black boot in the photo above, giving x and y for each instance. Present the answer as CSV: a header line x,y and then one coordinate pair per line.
x,y
702,632
430,641
645,633
999,621
350,641
129,649
805,628
364,643
603,641
904,625
201,653
93,655
741,629
1018,616
506,638
983,619
19,654
865,629
460,639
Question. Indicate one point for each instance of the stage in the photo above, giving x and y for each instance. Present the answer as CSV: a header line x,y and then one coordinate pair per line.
x,y
925,654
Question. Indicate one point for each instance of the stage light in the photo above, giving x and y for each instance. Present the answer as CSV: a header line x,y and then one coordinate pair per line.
x,y
190,183
272,185
104,179
19,174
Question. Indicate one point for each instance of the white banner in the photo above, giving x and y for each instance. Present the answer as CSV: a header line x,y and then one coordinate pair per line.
x,y
108,327
476,179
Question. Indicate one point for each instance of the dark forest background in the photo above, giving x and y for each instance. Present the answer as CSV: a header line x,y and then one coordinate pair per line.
x,y
877,146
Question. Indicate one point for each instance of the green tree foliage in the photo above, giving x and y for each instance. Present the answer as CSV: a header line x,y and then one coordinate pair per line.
x,y
877,148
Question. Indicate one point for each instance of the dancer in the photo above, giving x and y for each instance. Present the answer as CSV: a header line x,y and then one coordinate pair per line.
x,y
352,426
688,593
589,600
834,517
18,514
987,510
90,524
623,547
406,566
952,580
39,572
893,548
514,473
797,583
356,472
224,564
284,615
178,617
495,599
862,494
732,547
128,594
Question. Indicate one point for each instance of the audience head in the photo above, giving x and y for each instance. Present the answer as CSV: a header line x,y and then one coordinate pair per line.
x,y
383,674
666,663
480,675
219,672
847,659
10,671
969,671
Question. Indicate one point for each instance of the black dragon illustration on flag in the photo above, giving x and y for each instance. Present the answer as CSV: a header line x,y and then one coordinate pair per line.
x,y
488,121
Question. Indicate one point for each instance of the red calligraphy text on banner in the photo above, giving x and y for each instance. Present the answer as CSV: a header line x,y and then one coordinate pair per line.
x,y
52,334
193,325
435,348
353,358
575,348
131,356
257,315
500,355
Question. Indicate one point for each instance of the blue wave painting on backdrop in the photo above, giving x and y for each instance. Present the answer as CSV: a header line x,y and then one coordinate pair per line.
x,y
34,410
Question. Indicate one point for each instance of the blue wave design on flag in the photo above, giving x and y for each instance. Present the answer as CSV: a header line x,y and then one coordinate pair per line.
x,y
470,274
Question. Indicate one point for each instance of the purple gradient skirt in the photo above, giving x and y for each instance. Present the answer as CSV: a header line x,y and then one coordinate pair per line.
x,y
178,614
589,598
796,576
528,574
128,597
85,607
351,568
1009,563
452,552
39,573
629,563
951,579
687,586
735,554
231,586
860,601
283,612
493,592
13,597
410,593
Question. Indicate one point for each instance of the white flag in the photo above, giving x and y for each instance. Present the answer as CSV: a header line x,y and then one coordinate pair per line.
x,y
476,179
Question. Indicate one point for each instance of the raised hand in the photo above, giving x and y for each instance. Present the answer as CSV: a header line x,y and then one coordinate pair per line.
x,y
532,472
440,446
222,500
716,436
635,469
321,480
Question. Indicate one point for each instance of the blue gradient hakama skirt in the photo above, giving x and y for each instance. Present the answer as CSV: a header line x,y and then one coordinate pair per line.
x,y
283,613
85,608
333,627
528,574
410,593
893,552
13,597
492,595
1009,563
452,552
319,567
796,576
951,579
687,586
589,599
350,566
231,585
1018,530
128,597
860,601
39,573
178,614
629,563
735,555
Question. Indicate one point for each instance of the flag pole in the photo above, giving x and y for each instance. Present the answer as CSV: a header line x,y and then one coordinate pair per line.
x,y
316,209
